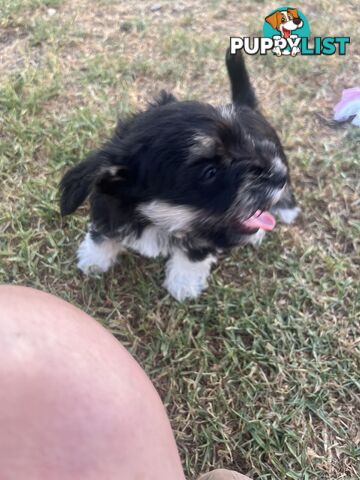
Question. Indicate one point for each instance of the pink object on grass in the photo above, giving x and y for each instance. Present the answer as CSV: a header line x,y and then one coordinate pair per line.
x,y
349,106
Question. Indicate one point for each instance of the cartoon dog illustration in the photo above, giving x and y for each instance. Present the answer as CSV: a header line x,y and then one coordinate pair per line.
x,y
285,21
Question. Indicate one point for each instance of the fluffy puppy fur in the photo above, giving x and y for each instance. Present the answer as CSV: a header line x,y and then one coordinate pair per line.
x,y
181,179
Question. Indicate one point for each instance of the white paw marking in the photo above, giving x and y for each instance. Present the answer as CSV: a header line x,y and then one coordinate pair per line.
x,y
97,257
186,279
256,238
288,215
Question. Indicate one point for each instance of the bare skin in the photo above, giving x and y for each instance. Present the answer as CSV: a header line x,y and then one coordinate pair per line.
x,y
73,403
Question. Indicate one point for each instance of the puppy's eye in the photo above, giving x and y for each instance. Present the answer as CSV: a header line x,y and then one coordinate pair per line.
x,y
290,17
209,173
283,20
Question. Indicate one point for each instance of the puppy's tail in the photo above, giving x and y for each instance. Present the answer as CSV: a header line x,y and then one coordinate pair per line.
x,y
77,183
241,88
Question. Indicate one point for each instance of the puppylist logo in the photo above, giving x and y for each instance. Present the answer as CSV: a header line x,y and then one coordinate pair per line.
x,y
286,31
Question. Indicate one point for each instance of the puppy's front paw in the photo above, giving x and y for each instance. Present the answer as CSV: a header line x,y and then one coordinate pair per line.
x,y
183,286
257,238
96,257
288,215
89,267
186,278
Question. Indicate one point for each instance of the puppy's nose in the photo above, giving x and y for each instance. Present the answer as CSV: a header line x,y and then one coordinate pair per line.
x,y
297,21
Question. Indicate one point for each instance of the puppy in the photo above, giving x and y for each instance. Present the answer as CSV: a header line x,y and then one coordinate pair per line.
x,y
183,179
285,21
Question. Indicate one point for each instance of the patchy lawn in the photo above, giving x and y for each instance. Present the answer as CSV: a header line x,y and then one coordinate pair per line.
x,y
261,374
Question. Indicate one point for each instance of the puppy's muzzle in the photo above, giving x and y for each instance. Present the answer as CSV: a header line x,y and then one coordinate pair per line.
x,y
297,21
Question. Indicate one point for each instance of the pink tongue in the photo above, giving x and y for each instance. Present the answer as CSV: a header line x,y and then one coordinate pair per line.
x,y
260,219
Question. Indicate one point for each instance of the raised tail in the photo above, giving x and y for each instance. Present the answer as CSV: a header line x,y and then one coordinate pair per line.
x,y
241,88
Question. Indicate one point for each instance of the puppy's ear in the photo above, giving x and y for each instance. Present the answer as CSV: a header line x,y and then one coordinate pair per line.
x,y
273,20
97,171
163,98
76,184
241,88
293,12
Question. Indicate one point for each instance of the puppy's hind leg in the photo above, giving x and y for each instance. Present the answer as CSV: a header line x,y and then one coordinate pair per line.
x,y
186,278
97,253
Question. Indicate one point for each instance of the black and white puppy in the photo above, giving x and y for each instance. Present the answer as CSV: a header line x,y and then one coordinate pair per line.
x,y
185,180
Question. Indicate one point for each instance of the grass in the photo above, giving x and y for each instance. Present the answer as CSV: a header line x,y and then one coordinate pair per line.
x,y
261,374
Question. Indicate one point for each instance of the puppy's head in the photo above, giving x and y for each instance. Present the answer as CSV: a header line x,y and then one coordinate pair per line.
x,y
215,173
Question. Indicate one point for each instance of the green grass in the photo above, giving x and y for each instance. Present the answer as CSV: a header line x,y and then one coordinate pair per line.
x,y
261,373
